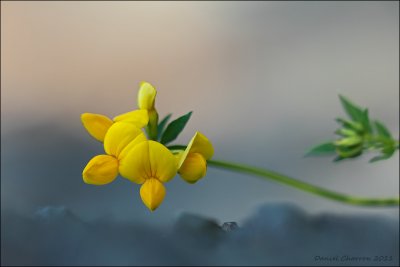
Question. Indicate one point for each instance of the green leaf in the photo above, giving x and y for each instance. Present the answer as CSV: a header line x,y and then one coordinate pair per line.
x,y
175,128
322,149
380,157
161,125
355,113
382,130
365,121
389,149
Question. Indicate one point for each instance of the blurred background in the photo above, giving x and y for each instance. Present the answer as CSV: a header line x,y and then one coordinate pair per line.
x,y
262,80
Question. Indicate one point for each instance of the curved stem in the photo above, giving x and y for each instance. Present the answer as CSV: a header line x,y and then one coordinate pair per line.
x,y
264,173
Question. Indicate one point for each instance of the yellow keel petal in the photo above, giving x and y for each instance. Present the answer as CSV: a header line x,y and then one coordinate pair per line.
x,y
162,162
135,164
194,168
96,124
100,170
148,159
152,193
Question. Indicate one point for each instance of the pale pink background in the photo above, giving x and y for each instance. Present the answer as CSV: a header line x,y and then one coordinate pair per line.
x,y
261,77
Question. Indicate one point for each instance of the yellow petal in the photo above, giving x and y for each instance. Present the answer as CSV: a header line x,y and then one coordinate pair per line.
x,y
152,193
146,96
101,169
199,144
146,160
139,118
162,162
135,164
96,124
119,136
177,154
140,138
194,168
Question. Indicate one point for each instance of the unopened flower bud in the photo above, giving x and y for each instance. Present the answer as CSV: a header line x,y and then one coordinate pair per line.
x,y
349,141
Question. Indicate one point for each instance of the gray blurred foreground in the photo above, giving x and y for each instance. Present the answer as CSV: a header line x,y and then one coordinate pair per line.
x,y
277,234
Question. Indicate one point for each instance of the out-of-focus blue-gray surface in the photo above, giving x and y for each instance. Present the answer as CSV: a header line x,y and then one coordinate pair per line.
x,y
277,234
261,77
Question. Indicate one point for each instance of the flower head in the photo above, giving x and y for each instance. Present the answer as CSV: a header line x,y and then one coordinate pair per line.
x,y
145,162
192,163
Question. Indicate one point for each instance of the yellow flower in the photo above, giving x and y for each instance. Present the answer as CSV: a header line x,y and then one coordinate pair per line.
x,y
97,124
151,164
120,138
142,161
192,163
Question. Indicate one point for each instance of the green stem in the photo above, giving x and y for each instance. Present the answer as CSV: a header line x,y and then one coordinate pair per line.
x,y
264,173
151,128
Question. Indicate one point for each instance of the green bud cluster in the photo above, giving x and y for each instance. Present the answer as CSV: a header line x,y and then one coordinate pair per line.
x,y
357,135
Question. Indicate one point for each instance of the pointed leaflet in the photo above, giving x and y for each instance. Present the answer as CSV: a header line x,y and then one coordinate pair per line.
x,y
365,121
175,128
161,125
351,109
382,130
325,148
380,157
386,153
356,113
